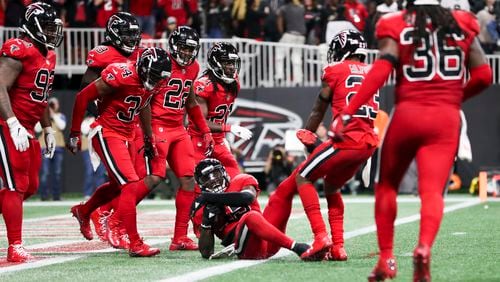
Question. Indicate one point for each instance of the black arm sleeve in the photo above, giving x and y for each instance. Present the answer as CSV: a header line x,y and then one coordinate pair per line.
x,y
233,199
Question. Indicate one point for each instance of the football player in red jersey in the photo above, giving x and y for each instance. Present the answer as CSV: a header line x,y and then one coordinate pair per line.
x,y
216,92
174,144
125,91
336,161
232,213
123,36
26,73
431,49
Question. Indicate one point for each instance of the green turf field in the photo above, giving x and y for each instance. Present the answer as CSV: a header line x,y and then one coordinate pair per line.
x,y
467,248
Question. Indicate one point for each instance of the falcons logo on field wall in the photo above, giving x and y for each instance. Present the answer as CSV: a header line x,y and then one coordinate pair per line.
x,y
268,124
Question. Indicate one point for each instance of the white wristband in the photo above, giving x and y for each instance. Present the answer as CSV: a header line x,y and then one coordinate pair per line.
x,y
48,130
10,121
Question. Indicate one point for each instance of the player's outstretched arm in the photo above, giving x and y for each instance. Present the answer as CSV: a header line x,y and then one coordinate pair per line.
x,y
232,199
206,242
90,75
480,72
9,70
96,89
319,109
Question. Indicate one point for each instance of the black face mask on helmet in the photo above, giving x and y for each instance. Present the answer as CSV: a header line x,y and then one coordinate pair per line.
x,y
211,176
123,32
41,24
224,62
345,44
154,68
183,45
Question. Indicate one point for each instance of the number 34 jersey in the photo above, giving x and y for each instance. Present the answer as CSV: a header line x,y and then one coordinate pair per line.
x,y
28,96
344,80
117,110
167,106
433,73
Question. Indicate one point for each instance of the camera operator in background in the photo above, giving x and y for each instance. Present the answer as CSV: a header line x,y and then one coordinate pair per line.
x,y
50,177
278,167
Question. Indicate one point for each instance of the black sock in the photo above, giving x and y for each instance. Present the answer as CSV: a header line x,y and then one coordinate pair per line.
x,y
300,248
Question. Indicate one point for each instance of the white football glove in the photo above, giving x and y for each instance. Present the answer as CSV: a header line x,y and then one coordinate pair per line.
x,y
241,132
19,134
50,142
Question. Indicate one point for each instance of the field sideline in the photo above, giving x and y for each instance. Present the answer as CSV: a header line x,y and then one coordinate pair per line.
x,y
63,255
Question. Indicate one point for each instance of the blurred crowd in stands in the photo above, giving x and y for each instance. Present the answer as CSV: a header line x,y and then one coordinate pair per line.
x,y
291,21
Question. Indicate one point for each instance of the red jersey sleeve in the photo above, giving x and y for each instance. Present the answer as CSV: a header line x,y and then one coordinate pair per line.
x,y
96,58
467,22
244,180
329,76
15,49
388,27
203,87
111,75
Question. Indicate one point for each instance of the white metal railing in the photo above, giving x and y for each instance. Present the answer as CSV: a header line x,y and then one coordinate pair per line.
x,y
259,64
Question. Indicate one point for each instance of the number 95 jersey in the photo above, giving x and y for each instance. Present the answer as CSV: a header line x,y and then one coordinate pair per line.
x,y
28,96
433,73
118,109
167,106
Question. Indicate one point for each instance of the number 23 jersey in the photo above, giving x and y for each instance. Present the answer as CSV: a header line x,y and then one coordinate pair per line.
x,y
167,106
28,96
433,73
344,80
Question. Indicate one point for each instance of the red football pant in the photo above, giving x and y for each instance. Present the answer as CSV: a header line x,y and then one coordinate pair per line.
x,y
19,172
254,234
433,140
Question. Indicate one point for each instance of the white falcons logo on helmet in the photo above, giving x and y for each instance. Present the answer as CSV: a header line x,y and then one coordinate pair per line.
x,y
343,38
34,9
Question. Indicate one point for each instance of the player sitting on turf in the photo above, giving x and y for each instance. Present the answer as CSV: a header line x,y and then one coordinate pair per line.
x,y
232,212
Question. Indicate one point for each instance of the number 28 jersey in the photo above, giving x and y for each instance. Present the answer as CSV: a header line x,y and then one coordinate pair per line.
x,y
28,96
433,73
118,110
167,106
344,80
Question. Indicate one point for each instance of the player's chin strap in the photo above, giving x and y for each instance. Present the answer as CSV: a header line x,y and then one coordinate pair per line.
x,y
426,2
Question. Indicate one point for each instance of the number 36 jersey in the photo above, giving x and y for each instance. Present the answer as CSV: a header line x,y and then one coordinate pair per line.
x,y
167,106
344,80
118,109
28,96
433,73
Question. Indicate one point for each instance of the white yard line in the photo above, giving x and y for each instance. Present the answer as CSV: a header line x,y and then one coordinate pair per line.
x,y
37,264
239,264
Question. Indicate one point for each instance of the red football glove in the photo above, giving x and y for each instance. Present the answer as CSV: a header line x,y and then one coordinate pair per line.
x,y
74,143
308,138
208,142
150,150
336,131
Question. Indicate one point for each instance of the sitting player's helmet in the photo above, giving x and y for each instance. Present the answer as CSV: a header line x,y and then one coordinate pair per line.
x,y
40,23
224,61
183,45
154,67
211,176
345,44
123,32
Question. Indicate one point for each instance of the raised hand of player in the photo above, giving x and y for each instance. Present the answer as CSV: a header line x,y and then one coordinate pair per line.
x,y
308,138
336,131
208,142
209,215
150,149
241,132
74,143
19,134
50,142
